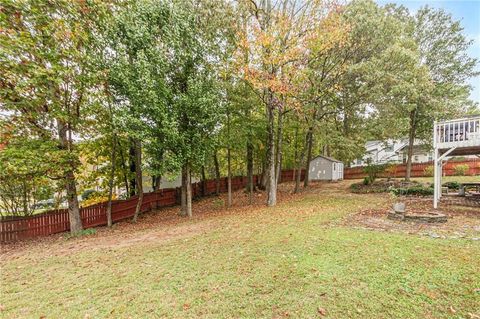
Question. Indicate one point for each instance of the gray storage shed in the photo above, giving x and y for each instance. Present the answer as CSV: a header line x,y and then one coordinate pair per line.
x,y
323,168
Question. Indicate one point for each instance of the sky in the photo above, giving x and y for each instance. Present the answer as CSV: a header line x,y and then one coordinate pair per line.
x,y
468,12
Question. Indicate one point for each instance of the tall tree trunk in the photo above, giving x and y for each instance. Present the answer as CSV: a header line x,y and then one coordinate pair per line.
x,y
411,142
278,161
132,157
183,195
25,198
156,181
73,207
326,150
309,141
189,193
217,173
186,209
229,178
124,168
229,164
70,183
250,186
204,182
295,156
299,168
270,158
138,175
262,184
110,181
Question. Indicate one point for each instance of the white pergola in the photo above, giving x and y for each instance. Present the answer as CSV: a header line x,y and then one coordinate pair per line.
x,y
457,137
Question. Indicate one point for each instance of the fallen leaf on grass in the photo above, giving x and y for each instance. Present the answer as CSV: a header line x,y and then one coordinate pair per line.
x,y
321,311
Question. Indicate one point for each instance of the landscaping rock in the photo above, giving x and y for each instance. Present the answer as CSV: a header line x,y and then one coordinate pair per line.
x,y
430,217
399,213
394,215
399,208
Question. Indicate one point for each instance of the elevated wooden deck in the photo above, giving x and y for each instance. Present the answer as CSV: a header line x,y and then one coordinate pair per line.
x,y
462,135
453,138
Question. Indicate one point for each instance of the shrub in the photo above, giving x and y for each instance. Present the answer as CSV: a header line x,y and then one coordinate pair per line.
x,y
366,181
355,187
428,171
391,171
414,190
362,188
373,171
452,185
461,169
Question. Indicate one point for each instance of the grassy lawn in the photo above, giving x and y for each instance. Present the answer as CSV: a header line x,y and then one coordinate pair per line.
x,y
290,261
445,179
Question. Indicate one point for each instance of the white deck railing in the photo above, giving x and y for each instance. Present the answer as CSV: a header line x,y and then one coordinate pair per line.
x,y
457,133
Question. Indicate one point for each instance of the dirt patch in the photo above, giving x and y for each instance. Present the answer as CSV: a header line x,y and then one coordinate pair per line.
x,y
462,222
164,225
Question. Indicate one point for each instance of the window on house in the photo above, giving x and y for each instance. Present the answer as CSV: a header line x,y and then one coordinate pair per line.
x,y
389,148
415,158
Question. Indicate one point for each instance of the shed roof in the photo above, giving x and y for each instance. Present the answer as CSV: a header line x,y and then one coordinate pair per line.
x,y
331,159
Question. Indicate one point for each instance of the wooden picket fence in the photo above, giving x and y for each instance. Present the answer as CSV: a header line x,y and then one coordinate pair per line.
x,y
14,228
418,169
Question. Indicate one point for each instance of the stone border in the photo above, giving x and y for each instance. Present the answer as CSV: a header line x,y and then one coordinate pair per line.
x,y
425,217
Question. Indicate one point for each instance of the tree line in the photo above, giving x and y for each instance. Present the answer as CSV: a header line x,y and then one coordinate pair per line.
x,y
105,93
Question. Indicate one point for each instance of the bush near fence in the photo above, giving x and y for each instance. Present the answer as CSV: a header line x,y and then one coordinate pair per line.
x,y
57,221
418,169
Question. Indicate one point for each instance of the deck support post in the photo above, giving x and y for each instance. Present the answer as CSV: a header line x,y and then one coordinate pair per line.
x,y
437,171
435,167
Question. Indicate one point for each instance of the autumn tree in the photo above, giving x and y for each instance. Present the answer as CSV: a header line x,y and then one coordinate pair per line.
x,y
274,37
46,82
320,77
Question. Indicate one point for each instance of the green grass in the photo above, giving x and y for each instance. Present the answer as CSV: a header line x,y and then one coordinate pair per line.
x,y
445,179
287,261
84,232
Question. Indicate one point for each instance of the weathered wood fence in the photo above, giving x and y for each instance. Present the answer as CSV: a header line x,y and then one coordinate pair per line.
x,y
418,169
57,221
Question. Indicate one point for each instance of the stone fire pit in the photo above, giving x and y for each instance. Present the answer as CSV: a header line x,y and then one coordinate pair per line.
x,y
400,213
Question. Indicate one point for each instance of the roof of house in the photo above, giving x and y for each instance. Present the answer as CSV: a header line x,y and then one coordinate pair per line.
x,y
399,145
327,158
416,147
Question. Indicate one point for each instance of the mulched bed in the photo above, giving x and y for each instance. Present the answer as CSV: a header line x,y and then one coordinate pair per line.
x,y
381,186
